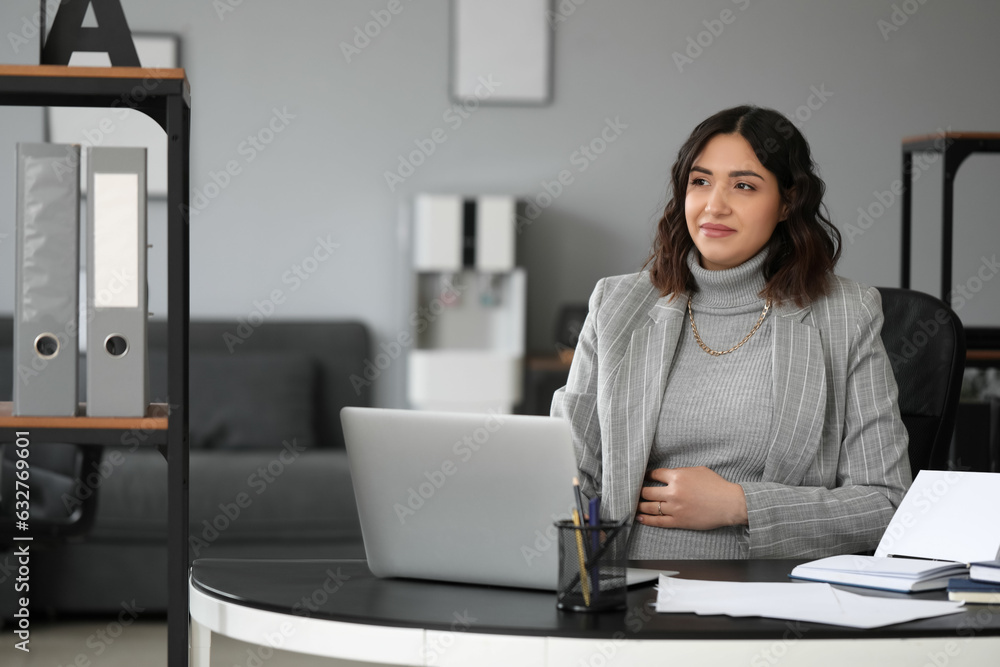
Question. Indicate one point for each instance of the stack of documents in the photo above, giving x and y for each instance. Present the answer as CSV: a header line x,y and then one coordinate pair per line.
x,y
941,526
814,603
904,575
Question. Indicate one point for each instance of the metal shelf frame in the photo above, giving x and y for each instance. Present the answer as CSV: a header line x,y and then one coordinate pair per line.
x,y
955,147
163,95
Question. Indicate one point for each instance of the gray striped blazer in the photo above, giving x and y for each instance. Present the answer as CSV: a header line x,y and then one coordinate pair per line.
x,y
837,466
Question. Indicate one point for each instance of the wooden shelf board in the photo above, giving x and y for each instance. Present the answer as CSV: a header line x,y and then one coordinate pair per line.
x,y
549,363
155,419
980,355
96,74
93,72
921,138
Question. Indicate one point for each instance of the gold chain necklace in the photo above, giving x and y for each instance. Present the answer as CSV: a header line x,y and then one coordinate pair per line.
x,y
716,353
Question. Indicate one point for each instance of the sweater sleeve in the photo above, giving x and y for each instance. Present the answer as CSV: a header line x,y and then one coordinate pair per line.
x,y
873,469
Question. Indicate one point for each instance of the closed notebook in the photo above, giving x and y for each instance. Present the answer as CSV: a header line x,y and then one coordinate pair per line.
x,y
985,571
904,575
977,592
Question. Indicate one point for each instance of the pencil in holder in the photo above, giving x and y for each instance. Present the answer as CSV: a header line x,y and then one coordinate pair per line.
x,y
592,567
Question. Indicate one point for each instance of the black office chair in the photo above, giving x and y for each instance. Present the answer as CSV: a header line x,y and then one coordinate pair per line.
x,y
926,345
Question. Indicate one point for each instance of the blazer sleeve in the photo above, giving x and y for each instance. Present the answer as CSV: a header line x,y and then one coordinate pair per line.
x,y
873,470
577,401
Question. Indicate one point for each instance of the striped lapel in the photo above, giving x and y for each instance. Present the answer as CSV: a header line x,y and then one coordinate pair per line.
x,y
635,398
799,396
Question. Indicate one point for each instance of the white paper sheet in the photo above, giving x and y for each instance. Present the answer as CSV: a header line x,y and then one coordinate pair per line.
x,y
815,603
946,515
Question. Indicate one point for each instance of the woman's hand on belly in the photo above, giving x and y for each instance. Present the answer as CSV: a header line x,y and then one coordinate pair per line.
x,y
692,498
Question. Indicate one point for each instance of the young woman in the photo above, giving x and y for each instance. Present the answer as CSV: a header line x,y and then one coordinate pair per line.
x,y
736,397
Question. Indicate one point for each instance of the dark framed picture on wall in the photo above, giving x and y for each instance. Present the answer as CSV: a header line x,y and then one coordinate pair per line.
x,y
501,52
120,126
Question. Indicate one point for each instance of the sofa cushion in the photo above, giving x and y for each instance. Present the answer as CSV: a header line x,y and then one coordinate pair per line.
x,y
251,497
251,400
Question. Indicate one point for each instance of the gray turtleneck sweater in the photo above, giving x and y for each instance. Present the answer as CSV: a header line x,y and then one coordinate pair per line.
x,y
716,411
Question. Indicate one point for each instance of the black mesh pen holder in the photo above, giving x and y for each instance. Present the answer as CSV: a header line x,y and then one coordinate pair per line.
x,y
592,567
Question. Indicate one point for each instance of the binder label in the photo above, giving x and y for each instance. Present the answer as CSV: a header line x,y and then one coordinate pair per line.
x,y
116,240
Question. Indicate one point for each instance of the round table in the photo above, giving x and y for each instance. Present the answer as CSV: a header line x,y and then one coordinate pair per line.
x,y
338,609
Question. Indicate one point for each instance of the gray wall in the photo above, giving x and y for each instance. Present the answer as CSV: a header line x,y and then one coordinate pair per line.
x,y
323,175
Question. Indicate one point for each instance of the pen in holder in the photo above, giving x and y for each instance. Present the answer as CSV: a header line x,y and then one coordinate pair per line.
x,y
591,579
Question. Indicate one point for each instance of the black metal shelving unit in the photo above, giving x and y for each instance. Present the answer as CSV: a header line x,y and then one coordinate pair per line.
x,y
165,96
954,147
983,342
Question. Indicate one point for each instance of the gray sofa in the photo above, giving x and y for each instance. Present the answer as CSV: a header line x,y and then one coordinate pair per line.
x,y
268,472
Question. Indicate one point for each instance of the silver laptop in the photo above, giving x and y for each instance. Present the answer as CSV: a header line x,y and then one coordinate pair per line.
x,y
461,497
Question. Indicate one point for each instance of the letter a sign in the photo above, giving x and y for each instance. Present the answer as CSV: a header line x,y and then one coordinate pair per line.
x,y
111,35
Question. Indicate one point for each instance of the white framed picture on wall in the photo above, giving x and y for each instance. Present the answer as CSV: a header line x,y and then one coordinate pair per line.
x,y
501,51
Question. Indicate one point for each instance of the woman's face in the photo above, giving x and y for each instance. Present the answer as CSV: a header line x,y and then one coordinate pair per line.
x,y
732,203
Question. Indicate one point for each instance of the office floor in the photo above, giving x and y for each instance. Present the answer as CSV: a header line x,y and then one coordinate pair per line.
x,y
77,642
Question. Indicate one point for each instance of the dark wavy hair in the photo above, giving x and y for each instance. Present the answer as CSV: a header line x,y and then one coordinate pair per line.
x,y
803,249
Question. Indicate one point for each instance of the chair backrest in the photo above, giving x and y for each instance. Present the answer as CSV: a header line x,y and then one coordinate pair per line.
x,y
925,341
